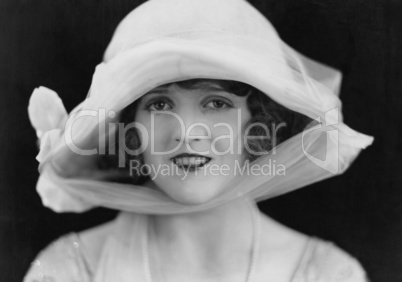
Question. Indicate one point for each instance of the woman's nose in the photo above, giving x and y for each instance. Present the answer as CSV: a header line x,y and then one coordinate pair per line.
x,y
192,128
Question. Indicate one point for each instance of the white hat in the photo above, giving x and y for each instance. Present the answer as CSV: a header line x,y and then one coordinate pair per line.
x,y
164,41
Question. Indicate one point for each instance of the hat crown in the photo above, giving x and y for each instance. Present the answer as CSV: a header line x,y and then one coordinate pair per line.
x,y
189,19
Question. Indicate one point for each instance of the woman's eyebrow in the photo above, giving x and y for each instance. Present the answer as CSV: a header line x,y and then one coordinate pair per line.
x,y
215,89
210,87
219,90
157,91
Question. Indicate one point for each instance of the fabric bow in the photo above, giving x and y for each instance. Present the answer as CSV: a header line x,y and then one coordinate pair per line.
x,y
49,117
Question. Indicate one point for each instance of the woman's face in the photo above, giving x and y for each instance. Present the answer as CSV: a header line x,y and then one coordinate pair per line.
x,y
195,139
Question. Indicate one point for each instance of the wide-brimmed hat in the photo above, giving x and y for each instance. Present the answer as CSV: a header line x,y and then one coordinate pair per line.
x,y
165,41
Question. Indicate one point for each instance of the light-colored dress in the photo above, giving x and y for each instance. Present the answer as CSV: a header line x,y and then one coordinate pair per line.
x,y
65,260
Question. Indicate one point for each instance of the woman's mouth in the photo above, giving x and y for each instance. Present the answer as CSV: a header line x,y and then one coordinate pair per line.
x,y
190,162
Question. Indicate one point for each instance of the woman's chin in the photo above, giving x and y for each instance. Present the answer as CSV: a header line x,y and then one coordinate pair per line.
x,y
193,199
190,201
189,194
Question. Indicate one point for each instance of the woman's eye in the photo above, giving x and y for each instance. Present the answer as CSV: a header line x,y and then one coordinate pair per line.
x,y
159,106
218,104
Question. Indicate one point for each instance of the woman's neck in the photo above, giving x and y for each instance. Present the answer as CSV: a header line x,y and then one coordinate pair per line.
x,y
215,240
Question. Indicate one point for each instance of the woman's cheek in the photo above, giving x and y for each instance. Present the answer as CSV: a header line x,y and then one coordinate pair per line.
x,y
228,138
160,138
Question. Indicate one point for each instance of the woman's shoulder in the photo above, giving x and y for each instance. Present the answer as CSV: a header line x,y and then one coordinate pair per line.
x,y
71,257
324,261
310,258
93,240
59,261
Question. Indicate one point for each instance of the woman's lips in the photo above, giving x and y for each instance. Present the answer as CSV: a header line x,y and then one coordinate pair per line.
x,y
190,162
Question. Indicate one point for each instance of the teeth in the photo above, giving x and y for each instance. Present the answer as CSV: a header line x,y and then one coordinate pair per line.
x,y
199,161
185,161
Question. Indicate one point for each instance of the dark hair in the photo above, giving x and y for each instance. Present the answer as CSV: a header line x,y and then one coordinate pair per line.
x,y
263,111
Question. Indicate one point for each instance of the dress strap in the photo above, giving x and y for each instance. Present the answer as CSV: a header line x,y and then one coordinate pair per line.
x,y
80,254
304,260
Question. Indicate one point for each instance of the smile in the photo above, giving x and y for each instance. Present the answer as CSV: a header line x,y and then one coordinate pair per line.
x,y
190,162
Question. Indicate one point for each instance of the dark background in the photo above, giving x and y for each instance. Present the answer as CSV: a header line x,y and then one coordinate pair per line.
x,y
57,43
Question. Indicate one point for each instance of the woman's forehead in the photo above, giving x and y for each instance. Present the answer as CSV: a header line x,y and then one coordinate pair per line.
x,y
205,85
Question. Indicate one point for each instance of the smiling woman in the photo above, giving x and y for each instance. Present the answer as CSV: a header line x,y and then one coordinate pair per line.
x,y
210,117
199,111
198,95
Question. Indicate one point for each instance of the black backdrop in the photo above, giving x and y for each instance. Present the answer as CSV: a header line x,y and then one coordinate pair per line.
x,y
57,43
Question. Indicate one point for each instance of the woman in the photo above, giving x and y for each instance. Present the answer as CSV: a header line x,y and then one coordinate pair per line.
x,y
211,112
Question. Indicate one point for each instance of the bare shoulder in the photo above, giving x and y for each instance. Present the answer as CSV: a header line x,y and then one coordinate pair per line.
x,y
334,264
93,240
282,237
56,262
305,258
70,257
281,250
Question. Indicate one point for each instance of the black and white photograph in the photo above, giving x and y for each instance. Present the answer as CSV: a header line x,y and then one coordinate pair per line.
x,y
201,141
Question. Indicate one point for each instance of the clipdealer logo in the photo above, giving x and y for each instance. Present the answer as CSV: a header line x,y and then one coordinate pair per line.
x,y
324,126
